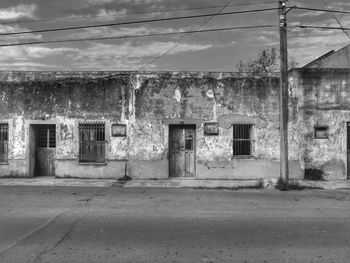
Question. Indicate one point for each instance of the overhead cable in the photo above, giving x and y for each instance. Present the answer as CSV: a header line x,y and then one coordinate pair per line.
x,y
183,38
138,36
132,13
136,22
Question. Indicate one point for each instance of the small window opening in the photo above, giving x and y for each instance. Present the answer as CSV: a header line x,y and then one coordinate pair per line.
x,y
242,139
321,132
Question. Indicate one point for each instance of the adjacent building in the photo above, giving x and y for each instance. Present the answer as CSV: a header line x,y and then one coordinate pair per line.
x,y
332,59
159,125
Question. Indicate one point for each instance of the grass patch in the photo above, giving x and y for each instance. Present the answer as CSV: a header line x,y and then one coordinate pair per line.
x,y
258,185
312,174
124,179
292,185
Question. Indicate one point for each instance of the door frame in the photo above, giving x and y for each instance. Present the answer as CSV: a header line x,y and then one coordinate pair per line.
x,y
31,131
172,126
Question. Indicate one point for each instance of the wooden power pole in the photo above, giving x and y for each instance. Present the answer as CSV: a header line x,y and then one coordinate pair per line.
x,y
284,175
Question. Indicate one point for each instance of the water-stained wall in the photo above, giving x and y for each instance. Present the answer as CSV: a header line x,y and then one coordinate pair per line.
x,y
147,103
323,101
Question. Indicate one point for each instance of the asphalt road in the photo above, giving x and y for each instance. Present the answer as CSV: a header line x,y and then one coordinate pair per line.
x,y
70,224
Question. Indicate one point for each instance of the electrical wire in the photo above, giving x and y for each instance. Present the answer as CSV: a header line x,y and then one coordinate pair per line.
x,y
322,10
321,27
138,36
182,39
335,17
132,13
137,22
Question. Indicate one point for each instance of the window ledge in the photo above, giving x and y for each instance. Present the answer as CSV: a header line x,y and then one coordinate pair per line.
x,y
94,164
4,163
243,157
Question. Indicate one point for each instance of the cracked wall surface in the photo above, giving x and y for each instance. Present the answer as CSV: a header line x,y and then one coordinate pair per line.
x,y
148,102
323,100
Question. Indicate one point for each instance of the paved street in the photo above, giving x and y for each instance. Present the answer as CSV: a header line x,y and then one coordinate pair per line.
x,y
113,224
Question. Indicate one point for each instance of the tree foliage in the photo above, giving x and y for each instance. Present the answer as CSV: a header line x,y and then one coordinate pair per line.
x,y
266,62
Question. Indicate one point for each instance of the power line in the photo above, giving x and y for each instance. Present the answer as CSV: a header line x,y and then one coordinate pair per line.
x,y
322,10
183,38
137,22
335,17
321,27
138,36
133,13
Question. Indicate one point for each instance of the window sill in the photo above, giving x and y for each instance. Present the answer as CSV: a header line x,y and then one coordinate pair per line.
x,y
4,163
94,164
243,157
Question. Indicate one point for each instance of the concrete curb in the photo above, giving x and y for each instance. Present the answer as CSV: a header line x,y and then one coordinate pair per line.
x,y
57,182
174,183
192,183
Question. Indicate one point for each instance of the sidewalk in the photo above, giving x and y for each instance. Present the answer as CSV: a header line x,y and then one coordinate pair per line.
x,y
51,181
174,183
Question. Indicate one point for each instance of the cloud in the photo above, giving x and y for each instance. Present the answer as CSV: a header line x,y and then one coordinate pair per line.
x,y
99,2
15,38
40,51
111,12
26,65
309,14
127,56
27,53
19,11
123,31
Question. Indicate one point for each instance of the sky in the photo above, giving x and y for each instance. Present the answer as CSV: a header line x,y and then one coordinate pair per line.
x,y
214,51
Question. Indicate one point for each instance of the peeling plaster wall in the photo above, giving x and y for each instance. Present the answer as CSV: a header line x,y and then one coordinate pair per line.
x,y
146,102
324,100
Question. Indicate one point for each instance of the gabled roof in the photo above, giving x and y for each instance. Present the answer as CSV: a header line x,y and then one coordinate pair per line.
x,y
317,60
332,59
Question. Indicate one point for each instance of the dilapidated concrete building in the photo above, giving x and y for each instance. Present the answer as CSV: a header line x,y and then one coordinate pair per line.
x,y
171,124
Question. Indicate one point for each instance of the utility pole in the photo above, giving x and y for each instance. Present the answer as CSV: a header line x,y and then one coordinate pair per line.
x,y
284,175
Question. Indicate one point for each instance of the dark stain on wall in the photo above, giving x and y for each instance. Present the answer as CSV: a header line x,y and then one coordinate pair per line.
x,y
70,97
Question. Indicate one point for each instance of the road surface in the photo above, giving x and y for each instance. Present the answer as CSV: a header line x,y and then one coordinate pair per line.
x,y
86,224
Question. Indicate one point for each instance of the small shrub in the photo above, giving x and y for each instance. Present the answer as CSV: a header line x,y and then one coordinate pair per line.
x,y
292,185
281,185
313,174
124,179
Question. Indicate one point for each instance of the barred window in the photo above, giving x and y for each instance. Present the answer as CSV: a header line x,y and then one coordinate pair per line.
x,y
47,136
92,143
4,134
242,139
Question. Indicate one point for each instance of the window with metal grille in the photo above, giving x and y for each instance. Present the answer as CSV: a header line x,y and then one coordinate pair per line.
x,y
242,139
92,143
4,134
46,136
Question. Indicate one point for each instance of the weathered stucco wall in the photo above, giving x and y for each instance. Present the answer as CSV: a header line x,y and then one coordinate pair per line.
x,y
145,103
323,100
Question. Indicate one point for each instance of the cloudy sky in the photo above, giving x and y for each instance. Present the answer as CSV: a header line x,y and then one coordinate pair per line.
x,y
214,51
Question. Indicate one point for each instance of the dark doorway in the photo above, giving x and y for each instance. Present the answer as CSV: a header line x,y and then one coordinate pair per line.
x,y
42,149
348,150
182,148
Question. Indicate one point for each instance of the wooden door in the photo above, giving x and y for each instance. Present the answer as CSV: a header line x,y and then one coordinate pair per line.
x,y
45,150
32,150
348,150
182,145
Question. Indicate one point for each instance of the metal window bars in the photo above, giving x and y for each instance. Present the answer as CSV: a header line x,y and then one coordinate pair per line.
x,y
4,129
92,143
47,136
242,139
